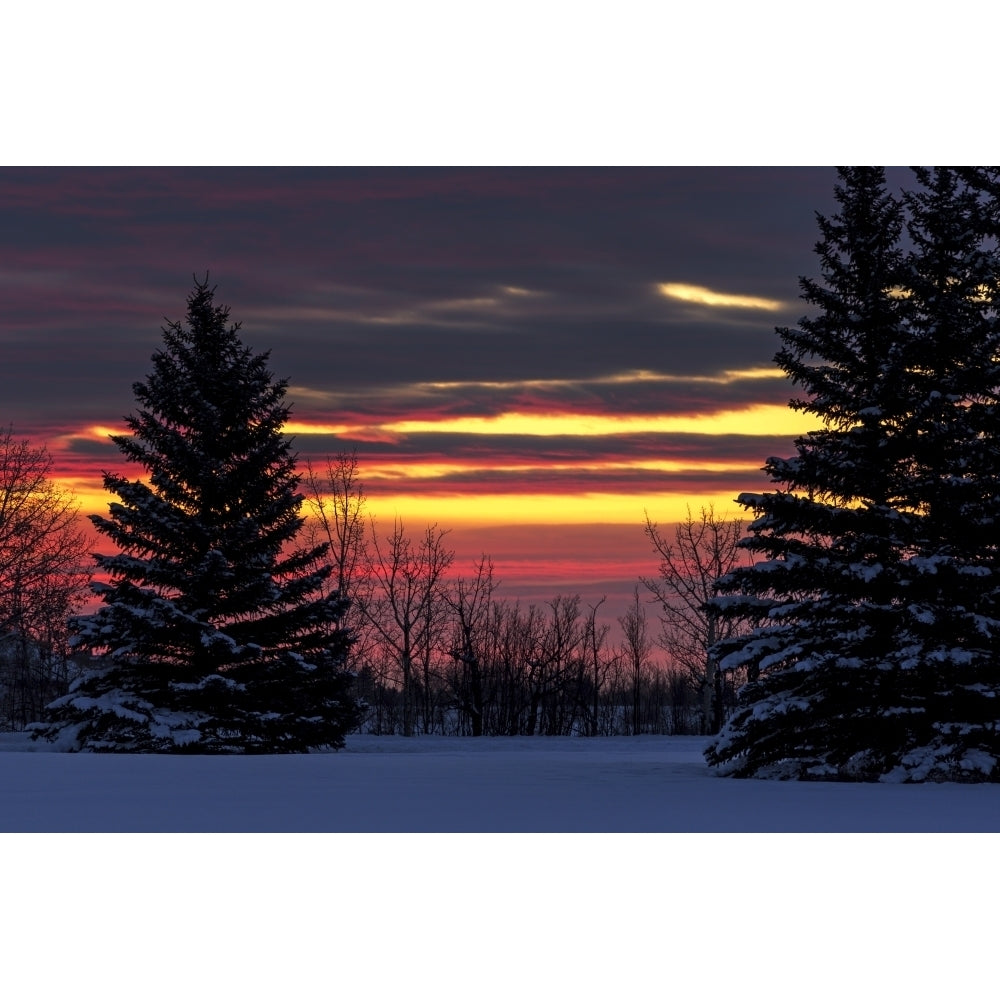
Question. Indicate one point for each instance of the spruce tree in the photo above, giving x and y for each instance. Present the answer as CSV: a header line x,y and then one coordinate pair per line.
x,y
950,654
874,599
214,635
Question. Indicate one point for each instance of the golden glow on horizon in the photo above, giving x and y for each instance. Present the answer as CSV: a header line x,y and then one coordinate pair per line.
x,y
337,430
88,493
464,505
718,300
760,420
496,509
488,509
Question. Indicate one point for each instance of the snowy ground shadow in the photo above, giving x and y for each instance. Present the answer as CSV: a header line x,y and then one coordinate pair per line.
x,y
442,785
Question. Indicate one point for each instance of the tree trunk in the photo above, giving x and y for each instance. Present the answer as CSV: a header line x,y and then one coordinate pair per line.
x,y
476,692
407,695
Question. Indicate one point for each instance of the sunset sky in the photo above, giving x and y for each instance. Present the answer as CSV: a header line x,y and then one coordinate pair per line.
x,y
531,358
400,301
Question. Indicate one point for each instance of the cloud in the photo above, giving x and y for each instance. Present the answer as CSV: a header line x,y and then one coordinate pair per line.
x,y
542,508
359,281
726,377
627,393
475,333
368,307
754,421
701,296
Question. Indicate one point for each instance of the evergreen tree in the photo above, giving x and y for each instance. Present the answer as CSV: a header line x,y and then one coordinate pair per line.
x,y
214,635
950,654
873,595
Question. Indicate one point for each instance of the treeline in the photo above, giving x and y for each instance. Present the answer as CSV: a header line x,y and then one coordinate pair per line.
x,y
542,670
439,652
44,574
434,651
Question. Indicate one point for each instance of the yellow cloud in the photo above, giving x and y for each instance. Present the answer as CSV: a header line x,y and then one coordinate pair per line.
x,y
471,509
96,432
542,508
721,300
89,493
761,419
336,430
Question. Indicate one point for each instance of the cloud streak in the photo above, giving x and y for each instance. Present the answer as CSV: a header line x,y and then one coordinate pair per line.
x,y
576,445
702,296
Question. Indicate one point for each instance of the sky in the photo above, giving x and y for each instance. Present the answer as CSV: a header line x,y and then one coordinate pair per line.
x,y
531,358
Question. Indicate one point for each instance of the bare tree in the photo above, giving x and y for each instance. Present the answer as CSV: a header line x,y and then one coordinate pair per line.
x,y
470,602
336,499
513,671
704,548
43,578
550,667
635,650
404,605
515,640
593,667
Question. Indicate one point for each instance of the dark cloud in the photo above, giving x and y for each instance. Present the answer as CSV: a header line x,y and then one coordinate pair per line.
x,y
510,449
624,393
370,288
119,246
626,482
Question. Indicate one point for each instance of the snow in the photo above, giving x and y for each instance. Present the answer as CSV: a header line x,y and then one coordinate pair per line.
x,y
489,916
443,784
866,572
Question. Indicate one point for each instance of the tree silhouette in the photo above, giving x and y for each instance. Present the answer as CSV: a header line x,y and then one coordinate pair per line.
x,y
874,592
214,635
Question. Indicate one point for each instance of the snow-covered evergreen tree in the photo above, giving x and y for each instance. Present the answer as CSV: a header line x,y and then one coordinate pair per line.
x,y
214,635
874,589
950,656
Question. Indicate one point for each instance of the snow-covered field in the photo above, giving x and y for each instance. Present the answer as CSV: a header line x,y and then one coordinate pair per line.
x,y
484,916
443,785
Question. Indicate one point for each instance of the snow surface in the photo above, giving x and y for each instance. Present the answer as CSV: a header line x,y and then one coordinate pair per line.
x,y
444,784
